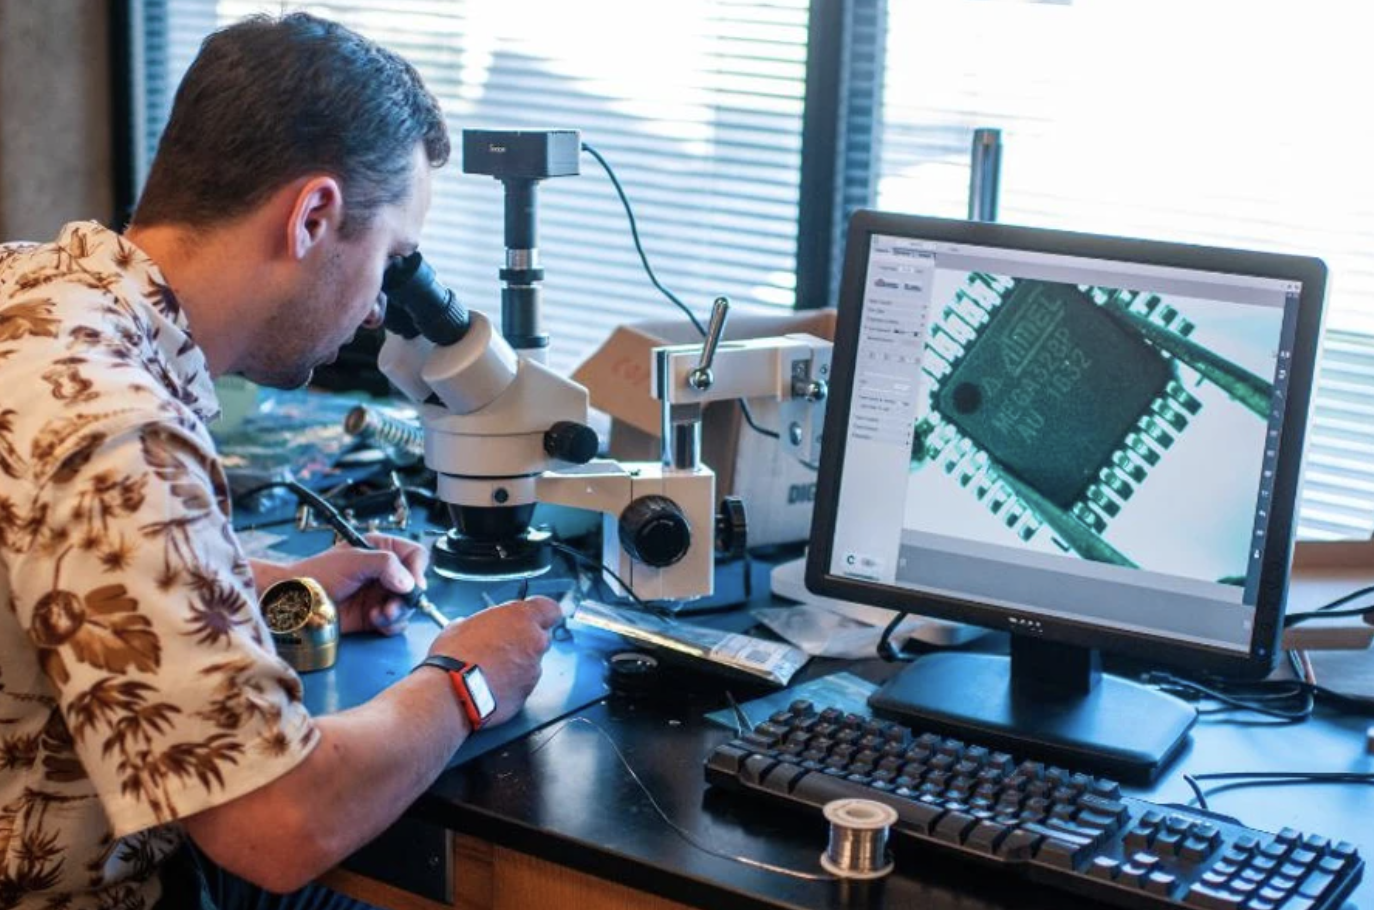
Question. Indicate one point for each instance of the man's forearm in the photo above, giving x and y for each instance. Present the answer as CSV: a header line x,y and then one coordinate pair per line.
x,y
371,762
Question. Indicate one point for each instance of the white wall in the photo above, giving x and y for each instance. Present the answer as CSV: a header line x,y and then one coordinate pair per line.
x,y
55,146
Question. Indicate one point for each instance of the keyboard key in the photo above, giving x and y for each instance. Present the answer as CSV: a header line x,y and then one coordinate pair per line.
x,y
1288,836
1103,806
986,837
751,772
1344,849
1060,853
1138,838
1331,864
1211,899
781,777
1018,845
954,827
1302,857
1315,884
1104,867
727,759
1194,850
1160,882
1168,843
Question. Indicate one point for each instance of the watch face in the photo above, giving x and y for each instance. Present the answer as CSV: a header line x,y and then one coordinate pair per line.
x,y
482,699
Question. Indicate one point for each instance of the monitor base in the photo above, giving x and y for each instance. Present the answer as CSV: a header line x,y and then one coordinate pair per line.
x,y
1117,727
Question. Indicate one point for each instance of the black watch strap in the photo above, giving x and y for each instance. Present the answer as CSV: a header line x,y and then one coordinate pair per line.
x,y
443,662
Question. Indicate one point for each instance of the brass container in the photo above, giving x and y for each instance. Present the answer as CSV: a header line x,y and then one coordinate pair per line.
x,y
304,623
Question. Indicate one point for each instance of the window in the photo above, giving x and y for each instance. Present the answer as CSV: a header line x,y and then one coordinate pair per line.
x,y
1225,122
696,104
744,131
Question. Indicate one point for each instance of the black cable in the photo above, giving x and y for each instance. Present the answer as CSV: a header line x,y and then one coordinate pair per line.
x,y
1329,609
1293,619
1285,700
1245,696
1239,780
1197,791
599,566
639,247
644,259
885,647
332,516
749,419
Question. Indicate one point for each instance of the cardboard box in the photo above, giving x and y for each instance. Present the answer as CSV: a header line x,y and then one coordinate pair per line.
x,y
777,489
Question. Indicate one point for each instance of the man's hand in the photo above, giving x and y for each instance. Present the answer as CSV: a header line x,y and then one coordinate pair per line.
x,y
365,584
508,642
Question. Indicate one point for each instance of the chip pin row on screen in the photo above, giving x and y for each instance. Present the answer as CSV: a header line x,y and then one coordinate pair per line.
x,y
1006,496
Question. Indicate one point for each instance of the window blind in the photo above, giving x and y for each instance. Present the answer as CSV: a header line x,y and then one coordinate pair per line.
x,y
1224,123
697,105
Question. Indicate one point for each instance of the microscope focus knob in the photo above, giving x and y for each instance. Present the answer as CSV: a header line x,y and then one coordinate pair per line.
x,y
732,528
654,531
571,441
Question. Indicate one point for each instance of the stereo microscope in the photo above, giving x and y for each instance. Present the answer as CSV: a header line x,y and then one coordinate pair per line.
x,y
503,432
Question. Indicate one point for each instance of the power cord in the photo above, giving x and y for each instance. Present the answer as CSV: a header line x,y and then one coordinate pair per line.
x,y
1243,779
644,259
886,650
1329,611
1284,701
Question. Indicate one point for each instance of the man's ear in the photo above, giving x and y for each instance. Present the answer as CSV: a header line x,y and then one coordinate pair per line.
x,y
316,214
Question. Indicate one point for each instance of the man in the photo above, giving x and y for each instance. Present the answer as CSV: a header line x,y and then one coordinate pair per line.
x,y
141,701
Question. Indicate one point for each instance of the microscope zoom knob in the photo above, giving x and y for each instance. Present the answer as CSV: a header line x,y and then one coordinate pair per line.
x,y
654,531
571,441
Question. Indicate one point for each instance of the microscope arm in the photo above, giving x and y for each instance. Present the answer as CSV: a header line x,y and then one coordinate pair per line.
x,y
793,370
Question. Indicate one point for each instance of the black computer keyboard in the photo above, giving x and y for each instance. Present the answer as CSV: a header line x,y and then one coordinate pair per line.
x,y
1046,824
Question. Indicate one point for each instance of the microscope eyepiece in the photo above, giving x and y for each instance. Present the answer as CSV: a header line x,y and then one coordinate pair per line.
x,y
419,303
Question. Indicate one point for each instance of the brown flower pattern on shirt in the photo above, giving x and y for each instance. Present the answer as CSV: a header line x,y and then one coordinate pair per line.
x,y
137,682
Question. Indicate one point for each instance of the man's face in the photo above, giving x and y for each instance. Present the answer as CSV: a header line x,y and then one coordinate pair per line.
x,y
342,289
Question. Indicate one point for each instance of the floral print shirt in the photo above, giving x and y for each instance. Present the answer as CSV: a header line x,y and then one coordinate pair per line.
x,y
138,682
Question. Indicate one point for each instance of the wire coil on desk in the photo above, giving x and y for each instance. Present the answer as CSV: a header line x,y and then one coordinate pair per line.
x,y
858,838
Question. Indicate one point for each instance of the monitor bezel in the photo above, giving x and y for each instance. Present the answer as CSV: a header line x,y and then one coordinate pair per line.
x,y
1276,560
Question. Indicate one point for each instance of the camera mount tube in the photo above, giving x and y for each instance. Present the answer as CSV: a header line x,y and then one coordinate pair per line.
x,y
521,322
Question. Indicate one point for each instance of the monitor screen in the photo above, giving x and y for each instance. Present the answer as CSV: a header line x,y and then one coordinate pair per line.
x,y
1082,439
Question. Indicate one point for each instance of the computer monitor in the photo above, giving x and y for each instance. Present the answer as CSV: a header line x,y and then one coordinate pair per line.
x,y
1092,443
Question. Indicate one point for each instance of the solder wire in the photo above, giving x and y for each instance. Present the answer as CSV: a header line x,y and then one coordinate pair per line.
x,y
680,831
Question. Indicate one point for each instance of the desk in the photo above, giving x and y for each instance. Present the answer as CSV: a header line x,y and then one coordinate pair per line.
x,y
523,815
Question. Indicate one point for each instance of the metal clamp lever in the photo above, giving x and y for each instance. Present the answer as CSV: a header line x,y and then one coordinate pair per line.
x,y
700,378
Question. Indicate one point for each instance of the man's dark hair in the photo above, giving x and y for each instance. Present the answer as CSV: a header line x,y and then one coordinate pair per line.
x,y
269,100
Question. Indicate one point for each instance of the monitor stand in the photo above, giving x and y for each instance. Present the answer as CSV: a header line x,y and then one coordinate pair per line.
x,y
1049,701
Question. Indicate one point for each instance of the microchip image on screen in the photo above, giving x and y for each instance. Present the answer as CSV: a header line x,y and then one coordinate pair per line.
x,y
1113,424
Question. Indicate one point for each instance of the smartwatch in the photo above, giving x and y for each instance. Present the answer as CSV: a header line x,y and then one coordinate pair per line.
x,y
478,702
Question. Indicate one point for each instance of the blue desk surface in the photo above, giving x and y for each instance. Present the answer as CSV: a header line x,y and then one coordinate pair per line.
x,y
559,792
573,676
